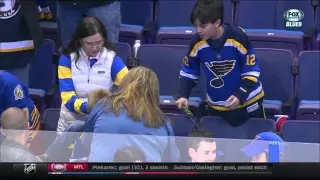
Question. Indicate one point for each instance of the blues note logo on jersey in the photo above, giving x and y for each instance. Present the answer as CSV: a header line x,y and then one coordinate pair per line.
x,y
18,93
219,69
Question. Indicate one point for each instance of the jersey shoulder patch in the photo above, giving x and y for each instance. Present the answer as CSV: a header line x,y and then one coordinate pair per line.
x,y
18,92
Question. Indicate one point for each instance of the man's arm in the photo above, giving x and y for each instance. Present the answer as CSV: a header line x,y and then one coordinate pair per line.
x,y
190,69
250,71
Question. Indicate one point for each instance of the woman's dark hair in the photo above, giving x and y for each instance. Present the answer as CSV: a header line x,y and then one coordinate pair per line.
x,y
129,154
89,26
207,11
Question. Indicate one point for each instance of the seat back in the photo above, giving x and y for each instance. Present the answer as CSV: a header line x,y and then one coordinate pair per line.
x,y
295,11
132,13
257,14
123,51
50,119
165,61
275,67
249,130
308,81
182,124
301,137
41,73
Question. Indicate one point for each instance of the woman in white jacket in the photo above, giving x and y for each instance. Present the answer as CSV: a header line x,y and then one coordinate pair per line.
x,y
89,62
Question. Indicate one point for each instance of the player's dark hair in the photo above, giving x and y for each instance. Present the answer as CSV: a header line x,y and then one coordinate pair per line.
x,y
89,26
207,11
129,154
197,136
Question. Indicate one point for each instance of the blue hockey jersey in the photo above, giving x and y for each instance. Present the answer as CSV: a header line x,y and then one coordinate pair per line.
x,y
13,93
230,66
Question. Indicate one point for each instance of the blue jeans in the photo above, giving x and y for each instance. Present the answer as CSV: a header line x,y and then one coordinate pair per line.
x,y
58,150
69,16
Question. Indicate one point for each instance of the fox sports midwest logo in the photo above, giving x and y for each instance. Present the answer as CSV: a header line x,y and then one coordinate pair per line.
x,y
293,17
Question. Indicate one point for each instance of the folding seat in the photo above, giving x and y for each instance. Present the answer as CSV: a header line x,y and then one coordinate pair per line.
x,y
317,43
123,51
303,9
276,78
50,31
302,141
249,130
174,23
134,20
182,124
263,30
166,61
308,83
41,76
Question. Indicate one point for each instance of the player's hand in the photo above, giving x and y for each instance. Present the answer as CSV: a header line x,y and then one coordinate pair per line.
x,y
234,102
182,102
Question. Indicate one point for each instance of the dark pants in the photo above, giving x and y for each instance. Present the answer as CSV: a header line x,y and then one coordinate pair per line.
x,y
58,151
239,116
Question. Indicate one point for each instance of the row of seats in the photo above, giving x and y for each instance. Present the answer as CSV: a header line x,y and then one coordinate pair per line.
x,y
289,83
291,131
171,25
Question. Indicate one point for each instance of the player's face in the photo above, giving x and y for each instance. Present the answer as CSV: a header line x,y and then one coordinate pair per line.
x,y
206,152
206,31
260,158
92,45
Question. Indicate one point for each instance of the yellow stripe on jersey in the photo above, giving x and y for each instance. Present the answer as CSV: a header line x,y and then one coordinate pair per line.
x,y
251,78
237,45
251,101
64,72
198,46
120,75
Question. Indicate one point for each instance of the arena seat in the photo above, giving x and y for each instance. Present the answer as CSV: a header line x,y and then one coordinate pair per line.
x,y
249,130
301,136
301,131
317,42
308,86
41,73
263,31
134,19
123,51
174,23
182,124
276,78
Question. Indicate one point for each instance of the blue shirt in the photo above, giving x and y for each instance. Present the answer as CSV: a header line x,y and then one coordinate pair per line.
x,y
111,132
230,66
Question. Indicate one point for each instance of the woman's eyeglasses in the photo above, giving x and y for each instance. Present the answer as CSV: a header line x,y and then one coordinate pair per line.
x,y
91,45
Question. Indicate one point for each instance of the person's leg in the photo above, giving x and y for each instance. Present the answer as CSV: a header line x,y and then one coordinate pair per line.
x,y
68,17
60,149
21,73
110,16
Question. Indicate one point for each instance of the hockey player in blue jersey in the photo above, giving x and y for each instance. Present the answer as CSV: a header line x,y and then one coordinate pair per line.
x,y
13,93
234,90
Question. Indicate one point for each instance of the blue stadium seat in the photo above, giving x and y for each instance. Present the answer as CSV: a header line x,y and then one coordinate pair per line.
x,y
249,130
134,19
174,23
50,119
308,86
301,131
123,51
41,75
276,77
317,43
263,30
302,141
50,31
182,124
165,61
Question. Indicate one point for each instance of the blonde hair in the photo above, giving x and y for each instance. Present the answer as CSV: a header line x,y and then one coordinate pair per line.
x,y
95,96
139,94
